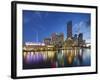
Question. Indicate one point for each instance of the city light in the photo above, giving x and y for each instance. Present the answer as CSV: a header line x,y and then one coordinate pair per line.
x,y
58,49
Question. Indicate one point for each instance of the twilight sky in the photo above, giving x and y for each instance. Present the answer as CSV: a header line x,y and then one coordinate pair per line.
x,y
38,25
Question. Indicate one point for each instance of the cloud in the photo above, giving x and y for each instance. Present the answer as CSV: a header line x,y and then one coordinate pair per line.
x,y
88,23
83,27
78,27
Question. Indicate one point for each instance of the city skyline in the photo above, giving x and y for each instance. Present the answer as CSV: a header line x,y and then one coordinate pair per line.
x,y
41,24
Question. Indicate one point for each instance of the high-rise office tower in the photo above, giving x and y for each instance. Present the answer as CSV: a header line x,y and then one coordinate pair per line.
x,y
47,41
57,39
80,39
75,37
69,29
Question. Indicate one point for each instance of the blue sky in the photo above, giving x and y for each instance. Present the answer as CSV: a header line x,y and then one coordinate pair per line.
x,y
38,25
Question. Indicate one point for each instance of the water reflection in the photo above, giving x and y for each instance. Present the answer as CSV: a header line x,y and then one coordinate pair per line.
x,y
59,58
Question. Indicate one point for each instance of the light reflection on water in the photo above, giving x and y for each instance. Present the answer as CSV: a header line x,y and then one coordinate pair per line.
x,y
59,58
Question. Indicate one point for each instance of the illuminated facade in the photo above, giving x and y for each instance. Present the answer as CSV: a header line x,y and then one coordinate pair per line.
x,y
54,38
57,39
47,41
38,47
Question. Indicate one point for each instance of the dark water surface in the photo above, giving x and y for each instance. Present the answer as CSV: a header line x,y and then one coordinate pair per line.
x,y
56,59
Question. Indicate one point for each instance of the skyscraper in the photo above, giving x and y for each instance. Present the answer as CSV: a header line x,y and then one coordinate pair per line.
x,y
60,40
80,39
57,39
47,41
75,37
69,29
54,38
